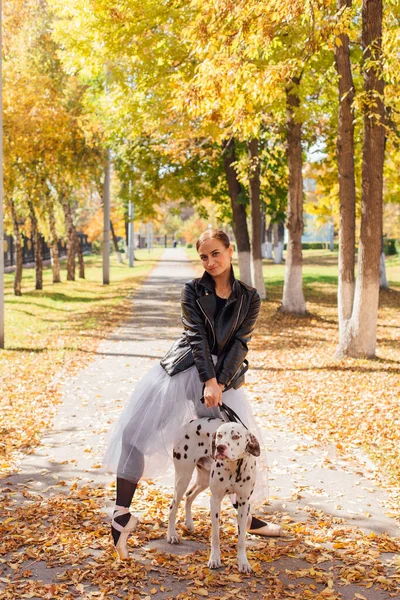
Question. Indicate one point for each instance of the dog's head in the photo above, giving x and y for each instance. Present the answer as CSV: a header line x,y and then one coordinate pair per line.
x,y
232,441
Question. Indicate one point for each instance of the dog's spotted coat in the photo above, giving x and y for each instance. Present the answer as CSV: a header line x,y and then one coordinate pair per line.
x,y
224,457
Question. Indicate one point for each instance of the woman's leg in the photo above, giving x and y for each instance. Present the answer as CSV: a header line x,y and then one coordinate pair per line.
x,y
129,472
125,492
156,411
254,525
131,464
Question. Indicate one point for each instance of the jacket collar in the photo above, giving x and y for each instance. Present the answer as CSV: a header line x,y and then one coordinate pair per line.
x,y
208,302
208,282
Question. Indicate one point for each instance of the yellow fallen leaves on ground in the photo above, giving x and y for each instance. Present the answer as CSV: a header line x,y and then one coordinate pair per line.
x,y
69,534
351,403
59,337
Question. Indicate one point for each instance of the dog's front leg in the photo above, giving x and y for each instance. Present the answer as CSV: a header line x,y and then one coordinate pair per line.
x,y
182,480
215,557
243,511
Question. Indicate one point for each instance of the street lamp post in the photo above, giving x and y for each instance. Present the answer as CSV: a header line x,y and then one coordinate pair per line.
x,y
106,201
106,219
1,187
131,234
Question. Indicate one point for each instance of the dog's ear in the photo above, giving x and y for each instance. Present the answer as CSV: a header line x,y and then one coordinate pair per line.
x,y
214,435
252,447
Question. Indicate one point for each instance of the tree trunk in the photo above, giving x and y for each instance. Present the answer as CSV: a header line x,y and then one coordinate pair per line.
x,y
70,241
278,236
293,298
239,222
115,242
263,232
360,338
281,239
269,240
383,282
55,260
275,243
37,246
347,186
78,251
255,210
18,251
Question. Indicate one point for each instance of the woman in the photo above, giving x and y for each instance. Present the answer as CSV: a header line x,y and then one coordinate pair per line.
x,y
218,314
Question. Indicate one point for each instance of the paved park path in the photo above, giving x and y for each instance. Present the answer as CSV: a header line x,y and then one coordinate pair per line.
x,y
308,482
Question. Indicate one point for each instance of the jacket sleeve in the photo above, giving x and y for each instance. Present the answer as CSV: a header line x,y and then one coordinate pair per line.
x,y
238,349
193,323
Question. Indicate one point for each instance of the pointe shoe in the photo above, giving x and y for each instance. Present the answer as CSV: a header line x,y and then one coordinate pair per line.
x,y
125,531
267,530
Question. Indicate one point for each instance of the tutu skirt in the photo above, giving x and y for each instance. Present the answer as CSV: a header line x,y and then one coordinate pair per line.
x,y
141,441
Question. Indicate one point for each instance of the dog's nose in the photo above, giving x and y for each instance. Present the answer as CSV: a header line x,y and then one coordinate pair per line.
x,y
220,449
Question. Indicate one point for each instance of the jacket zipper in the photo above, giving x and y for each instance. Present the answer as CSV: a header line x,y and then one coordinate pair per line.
x,y
230,335
211,325
237,319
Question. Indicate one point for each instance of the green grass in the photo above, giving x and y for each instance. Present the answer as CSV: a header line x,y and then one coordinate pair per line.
x,y
59,307
56,331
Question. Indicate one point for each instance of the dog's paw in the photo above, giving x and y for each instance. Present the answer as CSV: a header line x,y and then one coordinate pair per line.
x,y
214,562
244,566
189,525
173,538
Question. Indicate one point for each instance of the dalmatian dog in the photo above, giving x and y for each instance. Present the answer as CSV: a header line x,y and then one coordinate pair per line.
x,y
224,456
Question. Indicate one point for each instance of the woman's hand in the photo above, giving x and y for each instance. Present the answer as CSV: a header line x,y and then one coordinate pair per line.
x,y
213,393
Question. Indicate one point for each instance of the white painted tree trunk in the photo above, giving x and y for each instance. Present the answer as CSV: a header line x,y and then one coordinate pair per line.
x,y
293,297
278,253
269,250
244,267
347,187
345,305
264,249
359,333
383,282
275,238
346,281
346,291
257,277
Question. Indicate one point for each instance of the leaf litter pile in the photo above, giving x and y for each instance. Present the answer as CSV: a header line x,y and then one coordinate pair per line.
x,y
56,543
352,403
67,536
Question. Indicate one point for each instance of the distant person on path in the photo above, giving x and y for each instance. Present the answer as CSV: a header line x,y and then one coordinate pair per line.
x,y
219,314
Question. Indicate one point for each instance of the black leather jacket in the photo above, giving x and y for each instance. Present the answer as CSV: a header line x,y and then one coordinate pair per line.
x,y
231,330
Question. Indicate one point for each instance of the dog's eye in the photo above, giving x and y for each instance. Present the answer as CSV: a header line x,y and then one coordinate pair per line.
x,y
236,437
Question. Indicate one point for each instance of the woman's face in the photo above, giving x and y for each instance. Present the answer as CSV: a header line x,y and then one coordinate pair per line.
x,y
215,258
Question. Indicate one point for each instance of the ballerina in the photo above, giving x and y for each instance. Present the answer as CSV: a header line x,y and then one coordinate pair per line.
x,y
219,314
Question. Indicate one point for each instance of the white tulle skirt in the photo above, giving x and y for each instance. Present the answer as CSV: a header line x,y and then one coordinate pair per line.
x,y
140,443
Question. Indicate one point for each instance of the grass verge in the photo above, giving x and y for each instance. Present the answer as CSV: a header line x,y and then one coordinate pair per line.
x,y
54,332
